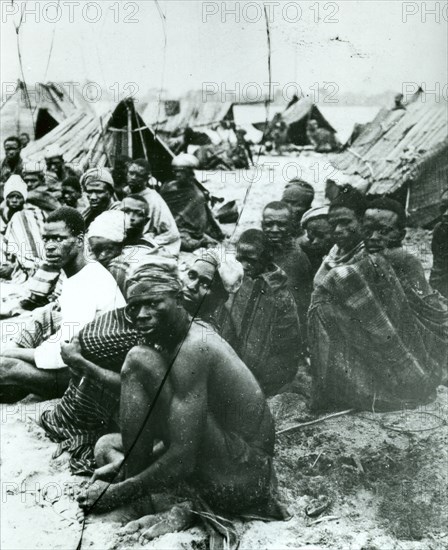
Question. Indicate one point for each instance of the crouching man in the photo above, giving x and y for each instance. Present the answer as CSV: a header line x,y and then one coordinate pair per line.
x,y
187,388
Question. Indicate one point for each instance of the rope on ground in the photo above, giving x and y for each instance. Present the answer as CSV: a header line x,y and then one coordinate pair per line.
x,y
297,427
443,422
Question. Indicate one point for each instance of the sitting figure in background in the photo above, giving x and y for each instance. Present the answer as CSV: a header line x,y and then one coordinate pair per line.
x,y
318,241
21,227
298,195
345,217
87,291
208,284
261,321
98,185
107,238
378,332
210,436
160,224
38,195
12,164
439,245
71,192
277,226
188,204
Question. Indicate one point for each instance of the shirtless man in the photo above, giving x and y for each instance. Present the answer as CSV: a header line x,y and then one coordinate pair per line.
x,y
213,420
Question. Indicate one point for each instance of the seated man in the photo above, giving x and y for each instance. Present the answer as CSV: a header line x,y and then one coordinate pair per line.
x,y
214,425
277,226
439,245
87,291
379,333
318,241
261,322
12,164
22,241
38,194
98,185
107,235
188,204
160,222
345,217
71,192
207,285
298,195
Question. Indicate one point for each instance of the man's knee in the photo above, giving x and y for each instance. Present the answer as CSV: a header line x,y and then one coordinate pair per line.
x,y
107,446
143,360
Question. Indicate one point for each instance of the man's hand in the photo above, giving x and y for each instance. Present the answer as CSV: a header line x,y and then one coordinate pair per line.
x,y
71,350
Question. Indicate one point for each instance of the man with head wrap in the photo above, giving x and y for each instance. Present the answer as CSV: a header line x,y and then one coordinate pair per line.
x,y
318,240
22,224
107,236
298,195
208,284
213,421
188,204
38,193
261,322
98,185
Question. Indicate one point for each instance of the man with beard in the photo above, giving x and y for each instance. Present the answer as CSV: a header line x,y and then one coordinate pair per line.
x,y
160,222
12,164
98,185
211,423
277,226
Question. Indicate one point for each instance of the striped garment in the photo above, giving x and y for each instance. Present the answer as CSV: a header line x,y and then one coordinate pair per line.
x,y
86,410
22,242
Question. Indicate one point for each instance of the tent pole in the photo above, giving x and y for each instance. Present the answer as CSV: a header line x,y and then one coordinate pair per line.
x,y
129,132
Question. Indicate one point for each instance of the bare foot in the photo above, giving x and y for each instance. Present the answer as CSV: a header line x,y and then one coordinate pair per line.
x,y
178,518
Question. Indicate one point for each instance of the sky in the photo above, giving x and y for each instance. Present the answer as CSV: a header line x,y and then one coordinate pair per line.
x,y
360,46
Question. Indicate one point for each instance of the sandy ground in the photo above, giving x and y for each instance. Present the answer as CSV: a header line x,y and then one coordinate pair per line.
x,y
384,476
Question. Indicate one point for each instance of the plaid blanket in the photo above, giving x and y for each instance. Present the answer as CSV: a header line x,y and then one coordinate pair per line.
x,y
376,340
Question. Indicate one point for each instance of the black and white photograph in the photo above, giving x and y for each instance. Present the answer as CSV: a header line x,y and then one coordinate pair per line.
x,y
224,275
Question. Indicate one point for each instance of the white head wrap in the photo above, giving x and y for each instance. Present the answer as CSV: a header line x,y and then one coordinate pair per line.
x,y
185,161
109,225
15,184
229,268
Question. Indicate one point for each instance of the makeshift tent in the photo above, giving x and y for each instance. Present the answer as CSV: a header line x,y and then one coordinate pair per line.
x,y
89,140
294,120
38,109
403,153
171,116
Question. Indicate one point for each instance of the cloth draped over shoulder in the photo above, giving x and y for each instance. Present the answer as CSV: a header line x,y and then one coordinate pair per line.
x,y
191,211
23,244
262,325
378,338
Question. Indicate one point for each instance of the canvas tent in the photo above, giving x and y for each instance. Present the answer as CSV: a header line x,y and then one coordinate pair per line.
x,y
90,140
403,153
294,120
38,109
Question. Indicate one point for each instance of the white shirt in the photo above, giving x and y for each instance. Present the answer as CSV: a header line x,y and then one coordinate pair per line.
x,y
91,292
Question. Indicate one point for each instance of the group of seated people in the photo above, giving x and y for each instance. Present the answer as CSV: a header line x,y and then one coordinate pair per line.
x,y
162,368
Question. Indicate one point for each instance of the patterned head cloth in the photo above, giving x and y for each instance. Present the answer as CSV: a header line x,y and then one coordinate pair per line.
x,y
314,214
15,184
156,275
98,174
109,225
